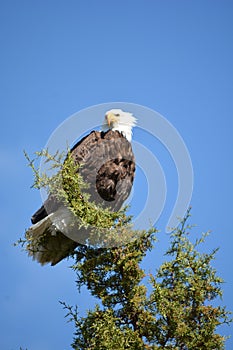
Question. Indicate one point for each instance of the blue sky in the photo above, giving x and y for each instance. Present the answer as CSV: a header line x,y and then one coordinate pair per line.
x,y
58,57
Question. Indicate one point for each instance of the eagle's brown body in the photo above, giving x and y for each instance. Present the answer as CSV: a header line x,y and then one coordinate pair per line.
x,y
108,166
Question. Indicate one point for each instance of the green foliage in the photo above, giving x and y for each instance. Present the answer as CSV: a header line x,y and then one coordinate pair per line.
x,y
177,314
63,182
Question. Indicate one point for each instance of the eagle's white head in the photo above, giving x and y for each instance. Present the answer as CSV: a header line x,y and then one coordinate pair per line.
x,y
118,120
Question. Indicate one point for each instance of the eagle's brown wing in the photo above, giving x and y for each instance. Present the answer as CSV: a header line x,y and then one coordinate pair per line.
x,y
108,166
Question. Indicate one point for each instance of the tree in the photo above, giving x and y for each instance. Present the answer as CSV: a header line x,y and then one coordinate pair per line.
x,y
178,312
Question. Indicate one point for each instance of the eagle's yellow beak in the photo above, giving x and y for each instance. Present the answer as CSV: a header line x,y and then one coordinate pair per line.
x,y
111,118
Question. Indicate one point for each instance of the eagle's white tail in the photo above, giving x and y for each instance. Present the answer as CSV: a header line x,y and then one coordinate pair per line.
x,y
47,243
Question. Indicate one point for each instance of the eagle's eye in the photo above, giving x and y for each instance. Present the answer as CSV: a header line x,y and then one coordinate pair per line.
x,y
117,115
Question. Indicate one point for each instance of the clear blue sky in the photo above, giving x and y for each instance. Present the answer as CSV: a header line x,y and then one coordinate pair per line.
x,y
58,57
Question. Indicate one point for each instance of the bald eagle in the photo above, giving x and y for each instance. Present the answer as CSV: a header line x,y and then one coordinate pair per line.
x,y
107,166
